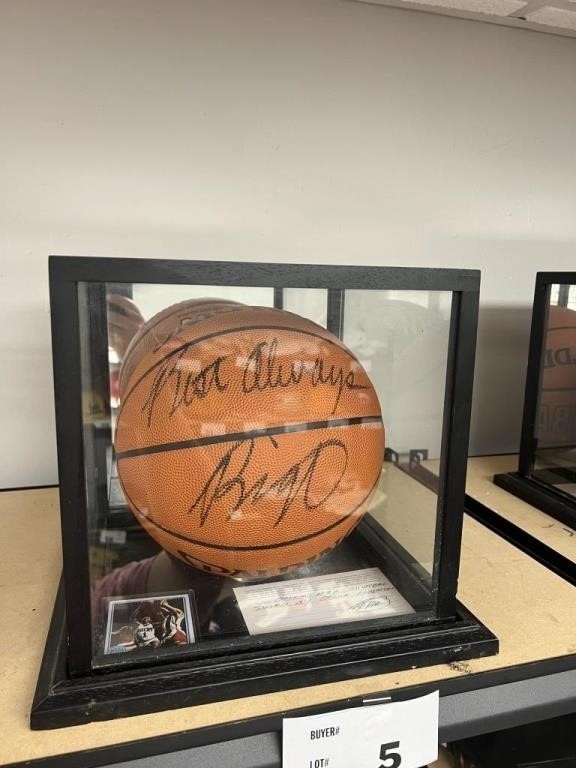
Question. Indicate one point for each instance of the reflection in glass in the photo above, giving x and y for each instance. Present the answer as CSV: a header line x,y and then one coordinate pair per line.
x,y
556,429
401,338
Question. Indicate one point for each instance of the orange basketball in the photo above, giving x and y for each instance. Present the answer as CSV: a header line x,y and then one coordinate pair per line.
x,y
249,441
557,422
172,319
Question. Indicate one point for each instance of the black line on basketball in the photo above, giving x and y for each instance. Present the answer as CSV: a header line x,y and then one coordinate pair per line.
x,y
228,331
255,433
259,547
175,309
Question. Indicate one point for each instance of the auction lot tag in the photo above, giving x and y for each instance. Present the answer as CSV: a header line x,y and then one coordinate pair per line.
x,y
402,734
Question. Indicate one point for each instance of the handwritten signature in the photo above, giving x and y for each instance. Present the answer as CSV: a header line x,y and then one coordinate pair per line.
x,y
228,485
369,604
262,370
187,386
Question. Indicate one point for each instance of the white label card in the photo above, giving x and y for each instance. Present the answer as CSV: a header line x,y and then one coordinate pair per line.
x,y
401,734
112,536
319,600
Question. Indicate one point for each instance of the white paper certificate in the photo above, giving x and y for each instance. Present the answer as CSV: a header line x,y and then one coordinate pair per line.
x,y
312,602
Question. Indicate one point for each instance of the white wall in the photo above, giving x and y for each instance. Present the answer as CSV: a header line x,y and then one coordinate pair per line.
x,y
301,130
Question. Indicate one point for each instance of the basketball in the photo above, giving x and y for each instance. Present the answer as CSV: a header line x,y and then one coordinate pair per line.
x,y
249,440
557,423
158,329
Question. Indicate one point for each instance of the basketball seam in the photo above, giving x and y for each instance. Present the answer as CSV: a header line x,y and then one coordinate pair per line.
x,y
240,436
177,308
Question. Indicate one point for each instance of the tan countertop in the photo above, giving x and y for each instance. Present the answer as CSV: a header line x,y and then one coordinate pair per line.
x,y
531,610
480,486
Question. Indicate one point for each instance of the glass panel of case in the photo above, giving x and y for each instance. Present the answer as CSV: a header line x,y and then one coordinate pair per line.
x,y
555,440
234,460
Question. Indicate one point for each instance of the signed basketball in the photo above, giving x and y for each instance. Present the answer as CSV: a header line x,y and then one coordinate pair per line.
x,y
557,422
170,320
249,440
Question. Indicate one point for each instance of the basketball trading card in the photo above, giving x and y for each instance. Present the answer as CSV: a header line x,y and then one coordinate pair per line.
x,y
154,621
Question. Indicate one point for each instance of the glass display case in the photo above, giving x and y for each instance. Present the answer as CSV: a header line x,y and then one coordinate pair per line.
x,y
235,512
546,474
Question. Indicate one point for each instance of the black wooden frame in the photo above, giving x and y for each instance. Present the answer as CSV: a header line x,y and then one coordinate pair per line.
x,y
523,483
61,700
427,639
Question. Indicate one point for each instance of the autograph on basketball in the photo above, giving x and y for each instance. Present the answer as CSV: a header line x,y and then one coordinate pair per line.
x,y
262,370
229,484
184,387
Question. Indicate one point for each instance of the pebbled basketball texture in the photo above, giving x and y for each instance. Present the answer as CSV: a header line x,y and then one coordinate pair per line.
x,y
171,319
249,440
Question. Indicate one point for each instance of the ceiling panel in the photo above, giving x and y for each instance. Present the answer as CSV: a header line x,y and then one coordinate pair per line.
x,y
551,16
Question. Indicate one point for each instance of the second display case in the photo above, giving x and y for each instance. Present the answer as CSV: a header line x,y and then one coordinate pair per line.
x,y
546,476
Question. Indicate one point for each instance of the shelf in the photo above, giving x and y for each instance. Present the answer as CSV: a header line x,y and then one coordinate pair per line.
x,y
529,608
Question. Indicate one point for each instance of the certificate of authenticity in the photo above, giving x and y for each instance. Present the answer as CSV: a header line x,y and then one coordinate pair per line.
x,y
319,600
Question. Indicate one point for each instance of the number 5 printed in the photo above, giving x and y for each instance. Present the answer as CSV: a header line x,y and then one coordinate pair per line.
x,y
391,759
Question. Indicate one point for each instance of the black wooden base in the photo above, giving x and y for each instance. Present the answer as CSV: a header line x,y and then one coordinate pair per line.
x,y
61,700
552,503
